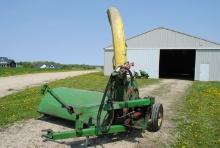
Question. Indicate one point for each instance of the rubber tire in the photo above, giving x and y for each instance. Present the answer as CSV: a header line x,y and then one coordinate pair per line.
x,y
153,124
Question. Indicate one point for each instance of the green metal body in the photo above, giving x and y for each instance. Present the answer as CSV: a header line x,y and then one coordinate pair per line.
x,y
84,102
85,105
118,109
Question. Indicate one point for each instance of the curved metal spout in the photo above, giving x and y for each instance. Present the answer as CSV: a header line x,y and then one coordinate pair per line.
x,y
118,37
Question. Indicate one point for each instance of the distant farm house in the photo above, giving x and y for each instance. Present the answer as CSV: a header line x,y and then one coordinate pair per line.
x,y
47,66
5,62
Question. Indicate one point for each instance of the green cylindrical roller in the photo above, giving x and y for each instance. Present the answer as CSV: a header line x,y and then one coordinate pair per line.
x,y
85,103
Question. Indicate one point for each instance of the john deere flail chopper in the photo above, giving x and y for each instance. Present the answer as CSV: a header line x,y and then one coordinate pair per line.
x,y
118,109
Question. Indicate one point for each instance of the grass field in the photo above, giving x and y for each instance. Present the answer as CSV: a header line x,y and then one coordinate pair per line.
x,y
23,105
18,71
199,118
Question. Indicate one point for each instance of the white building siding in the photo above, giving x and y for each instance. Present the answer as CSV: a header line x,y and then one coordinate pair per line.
x,y
211,57
147,60
108,55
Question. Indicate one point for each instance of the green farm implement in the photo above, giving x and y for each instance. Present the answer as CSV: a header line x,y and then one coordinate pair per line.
x,y
142,74
118,109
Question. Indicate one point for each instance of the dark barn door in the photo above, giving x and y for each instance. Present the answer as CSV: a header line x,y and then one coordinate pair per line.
x,y
178,64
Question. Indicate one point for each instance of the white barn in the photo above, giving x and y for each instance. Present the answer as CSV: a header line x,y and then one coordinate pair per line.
x,y
163,52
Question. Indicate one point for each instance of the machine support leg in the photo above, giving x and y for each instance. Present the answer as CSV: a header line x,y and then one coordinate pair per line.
x,y
87,141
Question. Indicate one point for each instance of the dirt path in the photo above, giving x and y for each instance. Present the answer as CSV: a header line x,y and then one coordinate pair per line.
x,y
11,84
27,134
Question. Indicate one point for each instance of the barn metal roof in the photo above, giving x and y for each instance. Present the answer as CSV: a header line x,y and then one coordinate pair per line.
x,y
164,38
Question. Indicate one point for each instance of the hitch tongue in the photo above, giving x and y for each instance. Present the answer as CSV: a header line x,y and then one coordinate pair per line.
x,y
48,135
47,130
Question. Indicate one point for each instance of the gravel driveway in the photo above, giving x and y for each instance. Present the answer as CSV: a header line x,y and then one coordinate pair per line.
x,y
11,84
28,134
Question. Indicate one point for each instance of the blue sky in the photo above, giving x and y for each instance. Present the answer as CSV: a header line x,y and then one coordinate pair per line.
x,y
70,31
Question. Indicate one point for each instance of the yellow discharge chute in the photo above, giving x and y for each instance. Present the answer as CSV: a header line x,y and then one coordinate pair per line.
x,y
118,37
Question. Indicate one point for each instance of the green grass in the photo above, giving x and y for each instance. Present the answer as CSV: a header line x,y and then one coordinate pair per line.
x,y
199,118
18,71
23,105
